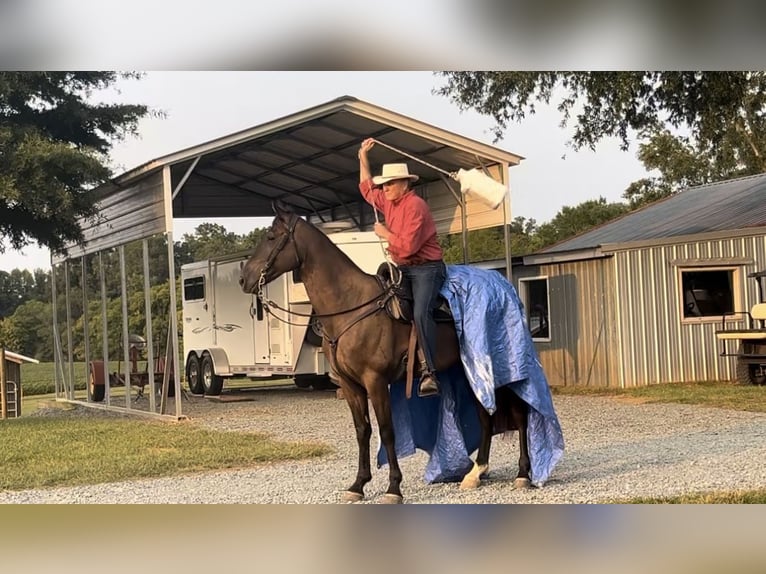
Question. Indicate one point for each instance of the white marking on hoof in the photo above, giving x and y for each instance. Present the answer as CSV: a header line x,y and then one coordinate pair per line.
x,y
391,499
472,480
521,484
349,496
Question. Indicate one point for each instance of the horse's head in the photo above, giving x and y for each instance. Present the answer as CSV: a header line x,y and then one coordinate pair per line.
x,y
276,253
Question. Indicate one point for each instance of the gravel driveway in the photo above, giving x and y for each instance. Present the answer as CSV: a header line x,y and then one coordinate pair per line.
x,y
614,449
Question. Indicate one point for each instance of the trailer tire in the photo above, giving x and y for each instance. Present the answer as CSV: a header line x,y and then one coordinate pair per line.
x,y
96,386
193,375
314,332
212,383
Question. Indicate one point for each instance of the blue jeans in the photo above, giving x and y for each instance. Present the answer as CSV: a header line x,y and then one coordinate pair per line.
x,y
426,280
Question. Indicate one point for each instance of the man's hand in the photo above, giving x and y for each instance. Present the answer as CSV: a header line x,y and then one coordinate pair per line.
x,y
382,231
366,146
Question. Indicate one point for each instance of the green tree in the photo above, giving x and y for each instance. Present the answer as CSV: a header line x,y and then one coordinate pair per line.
x,y
571,221
694,127
53,151
28,330
210,240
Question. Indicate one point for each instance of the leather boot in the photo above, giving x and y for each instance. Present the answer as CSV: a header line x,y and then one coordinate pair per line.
x,y
429,386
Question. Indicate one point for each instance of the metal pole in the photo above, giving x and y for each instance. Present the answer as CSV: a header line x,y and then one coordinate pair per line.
x,y
173,324
463,217
86,332
70,354
104,329
125,335
506,224
148,332
58,382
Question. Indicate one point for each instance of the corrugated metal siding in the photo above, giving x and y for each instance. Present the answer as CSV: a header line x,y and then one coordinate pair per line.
x,y
657,346
126,215
583,349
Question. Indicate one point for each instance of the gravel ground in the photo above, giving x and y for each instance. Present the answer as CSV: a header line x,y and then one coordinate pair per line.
x,y
614,449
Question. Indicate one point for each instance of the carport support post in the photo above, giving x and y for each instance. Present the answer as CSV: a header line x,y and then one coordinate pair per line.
x,y
86,334
149,335
70,357
57,378
125,334
104,329
173,325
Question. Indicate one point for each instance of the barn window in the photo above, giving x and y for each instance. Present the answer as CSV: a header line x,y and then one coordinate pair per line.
x,y
194,288
707,292
534,296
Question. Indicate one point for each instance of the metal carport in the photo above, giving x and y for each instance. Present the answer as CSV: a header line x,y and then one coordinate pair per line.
x,y
308,160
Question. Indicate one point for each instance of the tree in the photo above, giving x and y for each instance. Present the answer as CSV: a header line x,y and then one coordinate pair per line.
x,y
571,221
210,240
53,152
695,127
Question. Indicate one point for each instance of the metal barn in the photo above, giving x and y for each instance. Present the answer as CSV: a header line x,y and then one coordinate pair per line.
x,y
307,159
636,301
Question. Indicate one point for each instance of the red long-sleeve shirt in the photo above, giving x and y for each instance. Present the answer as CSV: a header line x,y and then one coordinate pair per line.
x,y
413,231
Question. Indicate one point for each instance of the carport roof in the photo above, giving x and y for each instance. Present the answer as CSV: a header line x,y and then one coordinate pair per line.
x,y
307,159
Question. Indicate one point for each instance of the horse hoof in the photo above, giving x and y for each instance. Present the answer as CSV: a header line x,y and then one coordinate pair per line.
x,y
470,483
391,499
350,496
521,484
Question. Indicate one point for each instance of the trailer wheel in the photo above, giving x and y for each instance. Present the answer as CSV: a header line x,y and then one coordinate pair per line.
x,y
193,377
96,386
314,332
211,383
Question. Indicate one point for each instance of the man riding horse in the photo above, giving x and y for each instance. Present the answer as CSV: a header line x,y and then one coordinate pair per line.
x,y
410,231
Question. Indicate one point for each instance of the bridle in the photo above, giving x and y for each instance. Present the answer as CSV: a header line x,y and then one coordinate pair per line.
x,y
380,299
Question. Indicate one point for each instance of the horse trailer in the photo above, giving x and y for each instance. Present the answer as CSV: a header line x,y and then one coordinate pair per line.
x,y
229,334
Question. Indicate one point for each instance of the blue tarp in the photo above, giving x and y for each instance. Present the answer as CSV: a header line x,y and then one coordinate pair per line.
x,y
496,349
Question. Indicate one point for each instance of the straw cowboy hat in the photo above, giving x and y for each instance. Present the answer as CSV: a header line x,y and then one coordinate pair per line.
x,y
392,171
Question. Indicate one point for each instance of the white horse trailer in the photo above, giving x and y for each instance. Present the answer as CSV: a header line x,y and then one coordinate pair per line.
x,y
227,333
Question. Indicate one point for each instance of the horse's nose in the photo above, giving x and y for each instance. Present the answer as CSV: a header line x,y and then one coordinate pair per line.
x,y
241,281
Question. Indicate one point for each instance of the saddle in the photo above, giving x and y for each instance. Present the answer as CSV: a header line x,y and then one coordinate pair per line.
x,y
399,306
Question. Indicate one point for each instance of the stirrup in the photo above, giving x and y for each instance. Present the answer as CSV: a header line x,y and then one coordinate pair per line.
x,y
429,386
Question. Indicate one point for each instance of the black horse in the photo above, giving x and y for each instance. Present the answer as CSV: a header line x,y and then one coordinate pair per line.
x,y
365,345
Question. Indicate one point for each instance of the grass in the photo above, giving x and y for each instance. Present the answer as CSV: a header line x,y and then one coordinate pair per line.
x,y
40,452
709,394
757,496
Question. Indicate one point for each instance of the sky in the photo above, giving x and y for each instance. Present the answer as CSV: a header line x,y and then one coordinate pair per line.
x,y
200,106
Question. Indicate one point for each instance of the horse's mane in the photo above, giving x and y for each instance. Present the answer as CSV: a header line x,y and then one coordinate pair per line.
x,y
323,239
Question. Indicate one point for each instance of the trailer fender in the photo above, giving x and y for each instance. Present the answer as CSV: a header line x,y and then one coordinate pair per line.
x,y
220,361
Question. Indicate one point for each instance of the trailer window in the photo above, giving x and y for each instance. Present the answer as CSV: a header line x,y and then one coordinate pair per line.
x,y
534,295
707,292
194,288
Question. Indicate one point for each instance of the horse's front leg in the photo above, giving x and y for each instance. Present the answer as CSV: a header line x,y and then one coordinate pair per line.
x,y
356,397
381,402
481,466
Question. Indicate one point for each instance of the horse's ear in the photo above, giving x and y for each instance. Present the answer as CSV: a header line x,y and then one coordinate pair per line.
x,y
280,207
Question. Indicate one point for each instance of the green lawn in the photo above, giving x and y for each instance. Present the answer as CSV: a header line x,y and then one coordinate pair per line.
x,y
71,450
709,394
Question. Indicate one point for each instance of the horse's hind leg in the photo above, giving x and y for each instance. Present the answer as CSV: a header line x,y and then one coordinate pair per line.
x,y
356,397
382,404
473,478
519,412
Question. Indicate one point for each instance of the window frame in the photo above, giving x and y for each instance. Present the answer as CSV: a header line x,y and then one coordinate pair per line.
x,y
524,296
736,278
203,285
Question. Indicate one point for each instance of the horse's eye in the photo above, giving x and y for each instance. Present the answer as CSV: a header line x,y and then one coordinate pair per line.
x,y
270,236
